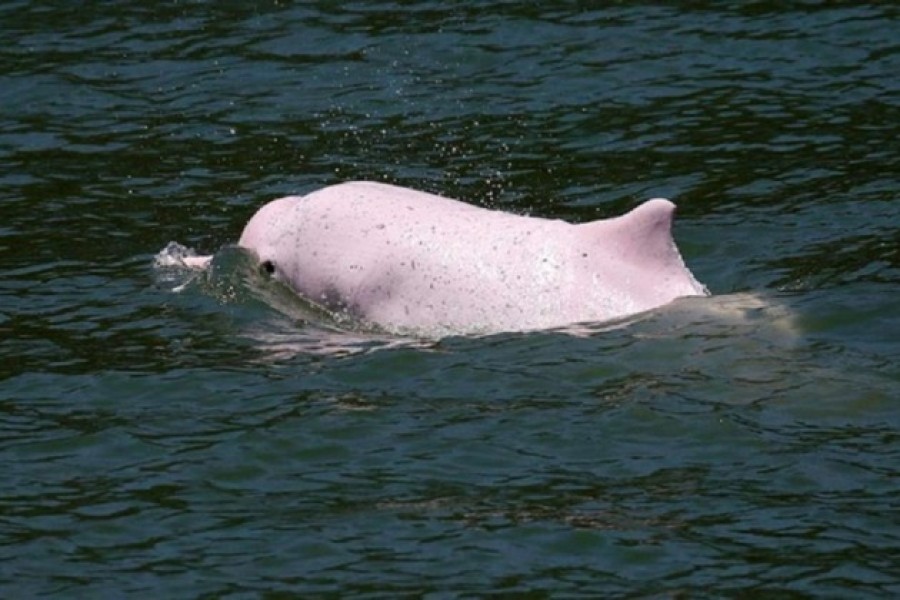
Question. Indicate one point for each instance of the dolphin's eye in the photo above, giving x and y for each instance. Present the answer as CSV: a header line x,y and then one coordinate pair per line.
x,y
268,267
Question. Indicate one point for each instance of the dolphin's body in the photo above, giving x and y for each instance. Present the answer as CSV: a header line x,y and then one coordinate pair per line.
x,y
408,261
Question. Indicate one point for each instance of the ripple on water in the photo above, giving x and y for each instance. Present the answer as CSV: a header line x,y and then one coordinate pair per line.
x,y
229,440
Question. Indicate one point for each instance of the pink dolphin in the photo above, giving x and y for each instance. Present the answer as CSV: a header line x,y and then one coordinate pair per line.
x,y
411,262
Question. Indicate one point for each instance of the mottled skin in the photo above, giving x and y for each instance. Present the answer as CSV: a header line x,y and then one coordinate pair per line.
x,y
408,261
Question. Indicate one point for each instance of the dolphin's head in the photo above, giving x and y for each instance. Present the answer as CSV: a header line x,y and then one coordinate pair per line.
x,y
267,230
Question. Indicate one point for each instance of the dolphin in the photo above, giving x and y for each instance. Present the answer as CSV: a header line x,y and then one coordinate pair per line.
x,y
411,262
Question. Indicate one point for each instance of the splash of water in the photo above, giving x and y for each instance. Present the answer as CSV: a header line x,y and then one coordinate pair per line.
x,y
173,268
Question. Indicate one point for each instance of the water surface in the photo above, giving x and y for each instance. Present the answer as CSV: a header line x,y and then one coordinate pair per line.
x,y
213,443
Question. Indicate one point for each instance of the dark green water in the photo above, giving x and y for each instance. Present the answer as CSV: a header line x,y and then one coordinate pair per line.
x,y
205,444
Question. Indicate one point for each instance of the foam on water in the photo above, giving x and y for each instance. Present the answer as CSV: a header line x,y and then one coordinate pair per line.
x,y
173,268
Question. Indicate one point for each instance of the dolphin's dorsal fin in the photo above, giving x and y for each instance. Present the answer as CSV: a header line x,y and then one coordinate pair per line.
x,y
641,236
